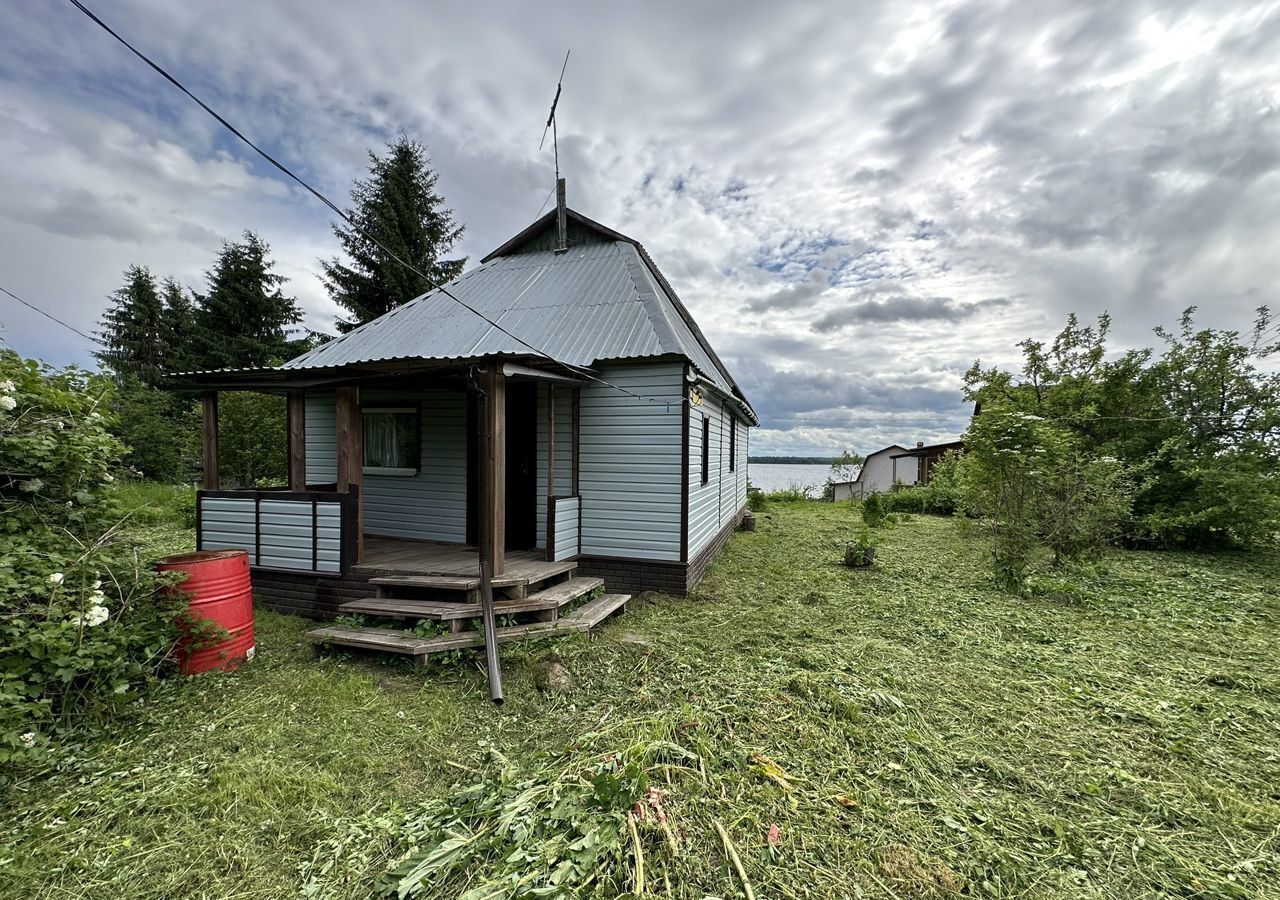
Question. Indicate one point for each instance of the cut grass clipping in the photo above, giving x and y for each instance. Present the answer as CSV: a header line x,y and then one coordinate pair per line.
x,y
900,731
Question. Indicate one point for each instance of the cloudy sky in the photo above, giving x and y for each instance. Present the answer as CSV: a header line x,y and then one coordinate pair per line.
x,y
855,200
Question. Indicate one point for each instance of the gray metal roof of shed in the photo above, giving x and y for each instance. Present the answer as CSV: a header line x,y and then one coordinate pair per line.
x,y
592,303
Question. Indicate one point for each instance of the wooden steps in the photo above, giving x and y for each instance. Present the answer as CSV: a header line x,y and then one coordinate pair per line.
x,y
553,597
583,619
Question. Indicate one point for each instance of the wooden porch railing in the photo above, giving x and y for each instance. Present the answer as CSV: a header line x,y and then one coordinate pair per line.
x,y
315,531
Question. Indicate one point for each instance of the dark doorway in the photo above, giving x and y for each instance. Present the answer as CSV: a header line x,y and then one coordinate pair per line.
x,y
522,461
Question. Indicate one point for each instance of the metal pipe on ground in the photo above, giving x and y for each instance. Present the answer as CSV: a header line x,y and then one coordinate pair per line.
x,y
492,665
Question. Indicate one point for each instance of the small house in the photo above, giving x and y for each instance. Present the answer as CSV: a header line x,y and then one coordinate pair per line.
x,y
878,473
894,465
560,416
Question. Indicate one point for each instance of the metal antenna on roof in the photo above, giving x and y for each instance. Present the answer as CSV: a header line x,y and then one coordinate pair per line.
x,y
562,224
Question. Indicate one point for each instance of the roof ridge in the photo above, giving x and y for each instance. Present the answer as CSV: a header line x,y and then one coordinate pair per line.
x,y
648,297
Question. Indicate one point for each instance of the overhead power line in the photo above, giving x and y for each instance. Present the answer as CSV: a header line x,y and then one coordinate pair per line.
x,y
577,370
52,317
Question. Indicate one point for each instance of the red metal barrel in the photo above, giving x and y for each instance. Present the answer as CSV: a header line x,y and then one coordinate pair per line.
x,y
219,590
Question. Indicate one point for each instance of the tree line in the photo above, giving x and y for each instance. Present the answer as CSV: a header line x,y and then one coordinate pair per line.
x,y
243,318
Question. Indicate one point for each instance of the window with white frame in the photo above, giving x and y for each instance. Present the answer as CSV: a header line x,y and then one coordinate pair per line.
x,y
392,440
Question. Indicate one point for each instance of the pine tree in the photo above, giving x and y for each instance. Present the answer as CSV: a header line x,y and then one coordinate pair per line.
x,y
397,204
241,321
177,327
132,331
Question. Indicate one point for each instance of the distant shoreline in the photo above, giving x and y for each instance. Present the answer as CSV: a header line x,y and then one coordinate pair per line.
x,y
791,460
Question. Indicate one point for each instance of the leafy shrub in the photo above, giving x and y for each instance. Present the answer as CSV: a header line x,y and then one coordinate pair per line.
x,y
83,631
875,509
791,493
942,496
755,499
1195,426
1034,486
184,504
158,429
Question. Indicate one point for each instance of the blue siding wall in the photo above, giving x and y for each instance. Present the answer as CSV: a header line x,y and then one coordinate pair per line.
x,y
227,523
431,505
629,474
714,504
322,437
564,543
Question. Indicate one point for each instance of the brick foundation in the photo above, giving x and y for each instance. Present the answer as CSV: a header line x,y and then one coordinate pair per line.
x,y
316,597
636,575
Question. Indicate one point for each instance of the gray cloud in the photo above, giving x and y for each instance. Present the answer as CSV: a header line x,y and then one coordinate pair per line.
x,y
825,190
903,309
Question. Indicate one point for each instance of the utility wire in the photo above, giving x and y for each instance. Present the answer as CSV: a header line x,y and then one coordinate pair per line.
x,y
577,370
52,317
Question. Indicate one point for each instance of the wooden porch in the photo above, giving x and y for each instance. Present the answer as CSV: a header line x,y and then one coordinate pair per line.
x,y
429,595
394,556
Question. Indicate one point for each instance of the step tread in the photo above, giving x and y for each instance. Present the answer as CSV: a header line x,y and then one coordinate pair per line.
x,y
583,619
371,638
551,598
594,612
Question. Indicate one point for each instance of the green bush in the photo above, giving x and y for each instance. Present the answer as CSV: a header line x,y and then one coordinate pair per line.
x,y
1195,425
158,429
253,442
942,496
791,493
82,630
1034,488
875,509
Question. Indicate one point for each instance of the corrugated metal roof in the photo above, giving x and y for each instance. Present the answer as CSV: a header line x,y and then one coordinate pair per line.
x,y
591,303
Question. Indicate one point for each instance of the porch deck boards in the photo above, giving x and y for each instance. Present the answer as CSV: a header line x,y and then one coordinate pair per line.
x,y
392,556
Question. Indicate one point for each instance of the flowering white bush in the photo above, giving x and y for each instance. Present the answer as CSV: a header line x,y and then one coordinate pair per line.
x,y
71,645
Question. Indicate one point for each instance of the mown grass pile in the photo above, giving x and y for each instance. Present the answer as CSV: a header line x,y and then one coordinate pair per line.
x,y
899,731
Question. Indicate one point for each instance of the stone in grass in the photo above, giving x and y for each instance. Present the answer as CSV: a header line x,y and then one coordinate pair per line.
x,y
551,676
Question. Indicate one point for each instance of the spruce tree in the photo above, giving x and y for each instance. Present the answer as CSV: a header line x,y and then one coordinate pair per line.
x,y
177,327
131,329
397,204
241,321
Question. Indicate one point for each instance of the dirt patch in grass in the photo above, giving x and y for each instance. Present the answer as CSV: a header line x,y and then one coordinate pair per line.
x,y
909,730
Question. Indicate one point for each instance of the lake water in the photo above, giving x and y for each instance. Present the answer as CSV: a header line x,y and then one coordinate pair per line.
x,y
776,476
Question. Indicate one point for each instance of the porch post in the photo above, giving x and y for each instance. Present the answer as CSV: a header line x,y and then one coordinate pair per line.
x,y
575,424
493,484
550,538
551,440
209,405
350,423
297,441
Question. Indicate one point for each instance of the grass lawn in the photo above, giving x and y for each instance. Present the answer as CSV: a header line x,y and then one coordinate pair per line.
x,y
909,729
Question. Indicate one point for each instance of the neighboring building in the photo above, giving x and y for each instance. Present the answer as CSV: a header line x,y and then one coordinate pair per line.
x,y
638,481
877,474
923,458
891,466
